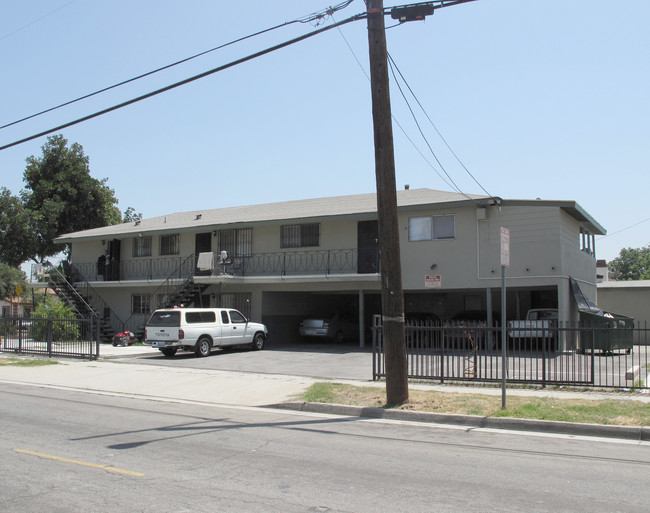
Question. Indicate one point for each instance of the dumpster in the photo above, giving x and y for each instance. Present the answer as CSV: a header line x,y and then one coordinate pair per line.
x,y
606,332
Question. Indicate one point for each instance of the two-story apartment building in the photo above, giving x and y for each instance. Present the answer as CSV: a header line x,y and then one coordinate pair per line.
x,y
292,259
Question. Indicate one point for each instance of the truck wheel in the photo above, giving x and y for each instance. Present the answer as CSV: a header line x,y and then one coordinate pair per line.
x,y
258,342
203,347
168,351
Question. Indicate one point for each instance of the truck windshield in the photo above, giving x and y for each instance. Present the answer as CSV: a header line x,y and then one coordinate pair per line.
x,y
163,318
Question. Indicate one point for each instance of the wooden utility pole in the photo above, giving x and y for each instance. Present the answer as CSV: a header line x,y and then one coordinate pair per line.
x,y
392,296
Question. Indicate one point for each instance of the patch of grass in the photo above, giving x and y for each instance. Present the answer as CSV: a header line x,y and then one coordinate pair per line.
x,y
609,411
22,362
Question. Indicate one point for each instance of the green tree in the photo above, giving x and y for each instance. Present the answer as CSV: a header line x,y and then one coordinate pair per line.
x,y
631,264
62,197
130,215
18,241
10,277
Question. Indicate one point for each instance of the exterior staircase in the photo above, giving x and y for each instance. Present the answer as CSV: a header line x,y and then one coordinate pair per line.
x,y
75,291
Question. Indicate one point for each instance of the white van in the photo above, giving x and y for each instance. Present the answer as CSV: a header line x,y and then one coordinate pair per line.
x,y
201,329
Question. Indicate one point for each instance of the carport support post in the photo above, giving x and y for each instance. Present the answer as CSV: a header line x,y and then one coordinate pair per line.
x,y
392,296
362,316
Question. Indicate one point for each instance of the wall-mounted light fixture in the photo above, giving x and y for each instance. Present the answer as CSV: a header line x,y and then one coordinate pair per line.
x,y
433,266
103,242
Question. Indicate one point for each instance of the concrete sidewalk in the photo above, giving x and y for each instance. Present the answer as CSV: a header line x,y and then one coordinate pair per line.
x,y
202,385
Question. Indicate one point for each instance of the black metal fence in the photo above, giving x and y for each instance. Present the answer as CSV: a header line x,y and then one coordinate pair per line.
x,y
76,338
572,355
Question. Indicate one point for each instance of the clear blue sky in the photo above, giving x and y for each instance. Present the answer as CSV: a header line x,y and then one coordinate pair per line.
x,y
538,99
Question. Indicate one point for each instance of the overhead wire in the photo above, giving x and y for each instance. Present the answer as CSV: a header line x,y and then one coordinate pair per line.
x,y
395,120
624,229
455,186
36,20
435,127
188,80
317,17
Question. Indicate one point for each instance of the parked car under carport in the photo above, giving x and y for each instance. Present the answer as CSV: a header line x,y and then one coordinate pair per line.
x,y
337,327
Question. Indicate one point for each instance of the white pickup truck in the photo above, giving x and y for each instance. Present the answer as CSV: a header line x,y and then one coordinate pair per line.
x,y
539,324
200,329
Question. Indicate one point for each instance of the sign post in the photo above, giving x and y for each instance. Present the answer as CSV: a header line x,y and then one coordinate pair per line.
x,y
505,262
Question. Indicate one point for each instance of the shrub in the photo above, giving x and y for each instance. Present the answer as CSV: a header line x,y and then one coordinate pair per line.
x,y
64,327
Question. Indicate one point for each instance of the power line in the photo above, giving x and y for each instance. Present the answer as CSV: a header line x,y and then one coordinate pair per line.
x,y
624,229
434,126
455,186
314,17
36,20
395,120
187,80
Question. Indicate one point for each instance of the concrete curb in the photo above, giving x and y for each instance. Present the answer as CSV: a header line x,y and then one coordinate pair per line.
x,y
640,433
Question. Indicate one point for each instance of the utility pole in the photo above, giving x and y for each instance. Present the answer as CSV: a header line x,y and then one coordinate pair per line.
x,y
392,296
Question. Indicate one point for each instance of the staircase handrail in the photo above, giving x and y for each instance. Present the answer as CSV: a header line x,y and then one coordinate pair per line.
x,y
71,288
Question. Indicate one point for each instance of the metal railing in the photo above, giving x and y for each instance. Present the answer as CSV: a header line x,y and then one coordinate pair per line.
x,y
136,269
282,263
76,338
569,354
333,261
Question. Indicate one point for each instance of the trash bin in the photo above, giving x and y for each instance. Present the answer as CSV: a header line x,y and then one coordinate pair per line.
x,y
605,332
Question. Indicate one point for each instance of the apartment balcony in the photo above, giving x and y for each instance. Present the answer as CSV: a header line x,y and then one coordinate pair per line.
x,y
277,264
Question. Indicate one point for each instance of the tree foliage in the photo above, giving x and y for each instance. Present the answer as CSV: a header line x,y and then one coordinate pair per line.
x,y
631,264
62,197
18,240
130,215
10,277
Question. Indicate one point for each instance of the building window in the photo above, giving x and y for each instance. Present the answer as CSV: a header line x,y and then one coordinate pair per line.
x,y
300,235
587,242
237,242
169,244
432,227
141,246
140,303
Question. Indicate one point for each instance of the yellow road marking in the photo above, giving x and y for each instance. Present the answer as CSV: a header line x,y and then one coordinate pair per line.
x,y
83,463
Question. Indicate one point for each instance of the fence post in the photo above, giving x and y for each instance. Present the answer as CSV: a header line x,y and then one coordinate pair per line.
x,y
50,324
544,342
443,344
593,355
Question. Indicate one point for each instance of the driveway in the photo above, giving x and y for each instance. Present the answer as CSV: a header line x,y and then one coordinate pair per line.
x,y
310,359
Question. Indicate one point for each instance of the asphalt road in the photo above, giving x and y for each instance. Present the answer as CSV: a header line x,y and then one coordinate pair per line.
x,y
66,451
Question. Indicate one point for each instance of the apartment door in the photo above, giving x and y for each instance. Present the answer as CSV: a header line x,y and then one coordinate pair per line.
x,y
368,247
202,244
113,268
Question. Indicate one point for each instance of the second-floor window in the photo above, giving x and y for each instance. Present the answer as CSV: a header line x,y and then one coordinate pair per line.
x,y
141,246
238,242
169,244
432,227
300,235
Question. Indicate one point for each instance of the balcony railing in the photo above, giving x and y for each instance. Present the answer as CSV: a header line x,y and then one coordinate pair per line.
x,y
136,269
284,263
